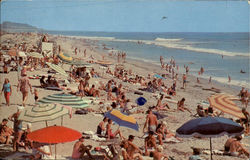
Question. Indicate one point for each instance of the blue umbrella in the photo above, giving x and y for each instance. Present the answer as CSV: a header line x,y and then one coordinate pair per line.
x,y
209,127
141,101
159,76
122,119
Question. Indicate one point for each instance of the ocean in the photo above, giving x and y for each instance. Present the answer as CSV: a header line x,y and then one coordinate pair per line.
x,y
220,54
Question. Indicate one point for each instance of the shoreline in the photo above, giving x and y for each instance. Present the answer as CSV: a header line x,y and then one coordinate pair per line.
x,y
234,84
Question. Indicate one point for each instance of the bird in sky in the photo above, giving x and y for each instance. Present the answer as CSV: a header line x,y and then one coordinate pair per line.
x,y
164,17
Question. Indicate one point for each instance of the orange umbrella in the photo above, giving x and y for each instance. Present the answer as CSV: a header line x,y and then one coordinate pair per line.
x,y
224,102
54,135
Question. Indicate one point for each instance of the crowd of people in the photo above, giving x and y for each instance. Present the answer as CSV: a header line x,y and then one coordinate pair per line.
x,y
156,132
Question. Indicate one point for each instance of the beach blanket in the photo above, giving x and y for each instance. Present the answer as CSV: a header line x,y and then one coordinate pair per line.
x,y
54,88
171,101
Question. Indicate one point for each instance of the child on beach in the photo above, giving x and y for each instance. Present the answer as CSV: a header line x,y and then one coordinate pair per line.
x,y
36,94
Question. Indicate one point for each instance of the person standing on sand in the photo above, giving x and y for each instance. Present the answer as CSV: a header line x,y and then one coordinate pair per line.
x,y
85,52
184,81
7,91
17,128
229,79
24,85
151,121
210,80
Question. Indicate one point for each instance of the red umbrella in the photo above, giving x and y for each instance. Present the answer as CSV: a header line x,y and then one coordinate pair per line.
x,y
54,135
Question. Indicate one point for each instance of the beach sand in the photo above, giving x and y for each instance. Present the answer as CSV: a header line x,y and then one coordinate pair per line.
x,y
193,95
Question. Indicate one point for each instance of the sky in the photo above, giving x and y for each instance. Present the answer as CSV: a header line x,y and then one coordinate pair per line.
x,y
130,15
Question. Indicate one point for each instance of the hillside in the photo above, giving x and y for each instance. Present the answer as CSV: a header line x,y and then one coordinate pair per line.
x,y
18,27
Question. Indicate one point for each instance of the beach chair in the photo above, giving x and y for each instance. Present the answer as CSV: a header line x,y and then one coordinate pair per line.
x,y
111,148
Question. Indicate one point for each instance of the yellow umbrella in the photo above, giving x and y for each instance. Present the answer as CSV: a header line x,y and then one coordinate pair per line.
x,y
65,57
224,102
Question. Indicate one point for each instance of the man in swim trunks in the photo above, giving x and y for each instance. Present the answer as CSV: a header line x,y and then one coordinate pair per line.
x,y
184,78
151,121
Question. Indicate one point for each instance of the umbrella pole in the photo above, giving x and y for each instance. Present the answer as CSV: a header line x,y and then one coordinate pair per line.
x,y
46,123
61,120
55,151
211,150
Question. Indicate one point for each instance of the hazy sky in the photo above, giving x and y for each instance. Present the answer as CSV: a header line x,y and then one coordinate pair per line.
x,y
130,15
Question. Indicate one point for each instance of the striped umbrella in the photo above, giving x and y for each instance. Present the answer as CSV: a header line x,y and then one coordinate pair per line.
x,y
65,57
80,63
224,102
43,112
34,55
66,99
57,69
122,119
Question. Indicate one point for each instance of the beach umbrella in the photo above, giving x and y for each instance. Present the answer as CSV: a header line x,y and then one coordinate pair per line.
x,y
224,102
34,55
57,69
66,99
80,63
65,57
159,76
122,119
209,127
141,101
43,112
54,135
103,62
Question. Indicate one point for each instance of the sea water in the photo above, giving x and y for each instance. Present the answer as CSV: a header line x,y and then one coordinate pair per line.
x,y
220,54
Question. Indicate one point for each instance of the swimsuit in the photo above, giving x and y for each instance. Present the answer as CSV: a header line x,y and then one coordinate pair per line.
x,y
151,128
99,130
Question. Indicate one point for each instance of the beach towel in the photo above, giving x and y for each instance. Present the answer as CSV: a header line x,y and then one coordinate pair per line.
x,y
139,93
171,140
54,88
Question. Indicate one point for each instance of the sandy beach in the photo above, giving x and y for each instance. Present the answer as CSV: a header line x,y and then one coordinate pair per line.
x,y
194,94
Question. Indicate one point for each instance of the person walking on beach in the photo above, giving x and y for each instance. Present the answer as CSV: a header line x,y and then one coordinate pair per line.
x,y
24,85
229,79
7,91
151,121
210,80
184,81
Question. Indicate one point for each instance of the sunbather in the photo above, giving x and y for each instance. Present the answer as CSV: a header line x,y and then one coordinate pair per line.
x,y
237,149
158,155
180,106
133,151
160,106
109,133
100,127
79,149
